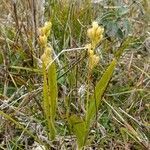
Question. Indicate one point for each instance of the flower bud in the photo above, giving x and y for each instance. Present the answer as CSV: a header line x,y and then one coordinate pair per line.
x,y
46,29
101,37
48,51
46,57
95,25
43,40
99,31
90,33
96,60
88,46
90,52
47,26
43,57
42,31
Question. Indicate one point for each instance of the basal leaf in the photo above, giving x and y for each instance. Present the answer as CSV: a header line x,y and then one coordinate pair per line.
x,y
50,94
99,91
53,91
78,127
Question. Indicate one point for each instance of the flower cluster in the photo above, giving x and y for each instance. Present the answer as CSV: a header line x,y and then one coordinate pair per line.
x,y
93,58
44,32
95,34
47,56
46,29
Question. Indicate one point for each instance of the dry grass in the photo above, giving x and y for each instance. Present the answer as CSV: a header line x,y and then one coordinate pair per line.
x,y
123,121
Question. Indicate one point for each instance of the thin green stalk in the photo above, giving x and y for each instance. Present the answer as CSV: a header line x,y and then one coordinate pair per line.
x,y
88,94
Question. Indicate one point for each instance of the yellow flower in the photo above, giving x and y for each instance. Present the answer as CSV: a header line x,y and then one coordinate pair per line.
x,y
41,31
47,56
43,40
47,27
45,30
95,25
48,51
99,31
90,33
95,34
93,61
96,59
89,47
91,53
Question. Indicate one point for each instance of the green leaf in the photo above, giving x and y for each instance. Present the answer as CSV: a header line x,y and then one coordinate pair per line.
x,y
120,33
53,95
112,28
122,11
53,91
103,83
78,127
50,95
99,91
